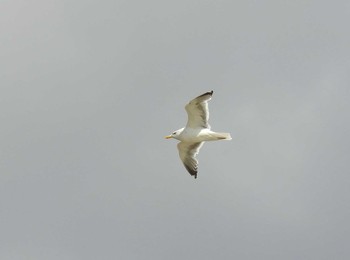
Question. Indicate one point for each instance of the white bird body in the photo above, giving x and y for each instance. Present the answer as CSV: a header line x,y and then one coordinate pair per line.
x,y
196,132
199,135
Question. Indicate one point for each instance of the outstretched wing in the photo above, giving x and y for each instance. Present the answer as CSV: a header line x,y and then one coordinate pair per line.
x,y
188,152
198,112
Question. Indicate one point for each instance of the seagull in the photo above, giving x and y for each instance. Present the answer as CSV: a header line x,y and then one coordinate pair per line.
x,y
196,132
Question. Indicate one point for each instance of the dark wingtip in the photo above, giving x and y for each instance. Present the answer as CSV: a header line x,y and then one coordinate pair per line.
x,y
207,93
191,171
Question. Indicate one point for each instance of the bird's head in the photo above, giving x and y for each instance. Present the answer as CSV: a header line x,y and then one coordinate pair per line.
x,y
175,134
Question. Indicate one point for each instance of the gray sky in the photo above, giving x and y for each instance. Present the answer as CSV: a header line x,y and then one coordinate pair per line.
x,y
89,89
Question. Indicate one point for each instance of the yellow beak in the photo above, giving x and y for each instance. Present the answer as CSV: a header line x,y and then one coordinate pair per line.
x,y
168,137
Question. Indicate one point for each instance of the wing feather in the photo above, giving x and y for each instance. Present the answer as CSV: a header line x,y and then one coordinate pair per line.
x,y
188,152
198,111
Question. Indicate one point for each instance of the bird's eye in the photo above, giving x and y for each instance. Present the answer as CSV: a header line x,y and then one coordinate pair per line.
x,y
174,133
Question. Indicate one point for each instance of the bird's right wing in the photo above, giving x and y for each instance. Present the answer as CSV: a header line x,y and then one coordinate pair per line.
x,y
188,152
198,111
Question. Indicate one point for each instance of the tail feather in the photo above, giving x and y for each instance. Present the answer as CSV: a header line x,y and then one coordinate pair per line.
x,y
222,136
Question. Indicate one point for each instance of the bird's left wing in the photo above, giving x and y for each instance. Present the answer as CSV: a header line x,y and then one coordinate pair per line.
x,y
188,152
198,111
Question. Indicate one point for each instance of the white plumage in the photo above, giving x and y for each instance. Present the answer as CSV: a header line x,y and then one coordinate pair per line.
x,y
196,132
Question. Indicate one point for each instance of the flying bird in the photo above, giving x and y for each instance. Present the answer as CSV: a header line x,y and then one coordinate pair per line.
x,y
196,132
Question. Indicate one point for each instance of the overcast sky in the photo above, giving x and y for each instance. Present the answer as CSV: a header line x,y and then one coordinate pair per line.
x,y
89,89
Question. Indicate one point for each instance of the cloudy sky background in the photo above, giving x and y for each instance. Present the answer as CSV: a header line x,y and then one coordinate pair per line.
x,y
89,89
